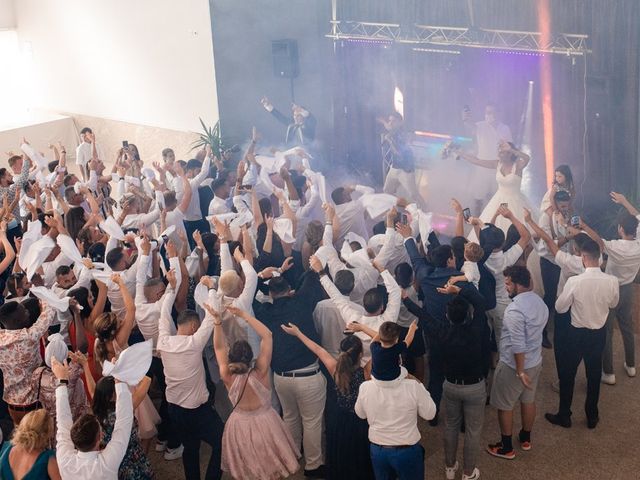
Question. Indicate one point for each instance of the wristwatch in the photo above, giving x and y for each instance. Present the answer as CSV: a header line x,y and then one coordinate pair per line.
x,y
61,381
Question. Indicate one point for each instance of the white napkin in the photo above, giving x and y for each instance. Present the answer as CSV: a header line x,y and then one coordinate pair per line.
x,y
70,249
47,295
132,181
32,235
132,364
148,173
34,156
376,242
112,228
192,262
424,226
321,183
377,204
284,228
103,276
56,348
36,255
323,254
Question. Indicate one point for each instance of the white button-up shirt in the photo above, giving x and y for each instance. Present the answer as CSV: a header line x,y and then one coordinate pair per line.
x,y
489,137
84,152
589,295
330,325
103,464
351,314
392,408
193,213
624,259
182,358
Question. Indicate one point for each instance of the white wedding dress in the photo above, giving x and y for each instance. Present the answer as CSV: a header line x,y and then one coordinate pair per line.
x,y
509,192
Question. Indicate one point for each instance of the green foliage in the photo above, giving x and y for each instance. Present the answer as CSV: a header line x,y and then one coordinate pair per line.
x,y
210,136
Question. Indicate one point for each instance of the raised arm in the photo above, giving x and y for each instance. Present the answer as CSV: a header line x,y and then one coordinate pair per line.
x,y
525,236
122,337
9,252
324,356
117,447
186,188
594,235
492,164
266,339
457,208
551,245
620,199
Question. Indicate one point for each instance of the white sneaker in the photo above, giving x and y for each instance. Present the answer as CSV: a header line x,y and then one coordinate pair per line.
x,y
608,378
475,475
174,453
631,371
450,472
161,446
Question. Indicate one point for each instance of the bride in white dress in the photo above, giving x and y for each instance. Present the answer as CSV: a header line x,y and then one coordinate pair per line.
x,y
509,166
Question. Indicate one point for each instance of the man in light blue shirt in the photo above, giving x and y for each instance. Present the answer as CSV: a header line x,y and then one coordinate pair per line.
x,y
516,375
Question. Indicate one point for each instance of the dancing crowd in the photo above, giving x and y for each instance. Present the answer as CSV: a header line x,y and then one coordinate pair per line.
x,y
143,306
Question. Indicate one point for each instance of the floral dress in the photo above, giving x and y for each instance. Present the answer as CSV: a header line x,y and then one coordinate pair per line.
x,y
135,464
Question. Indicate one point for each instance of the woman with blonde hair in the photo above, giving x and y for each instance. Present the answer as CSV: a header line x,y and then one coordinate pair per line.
x,y
28,455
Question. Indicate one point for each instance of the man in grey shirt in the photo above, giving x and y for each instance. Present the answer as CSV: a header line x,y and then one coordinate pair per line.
x,y
516,375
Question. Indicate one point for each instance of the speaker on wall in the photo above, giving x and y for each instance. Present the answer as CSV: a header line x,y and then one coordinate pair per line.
x,y
285,58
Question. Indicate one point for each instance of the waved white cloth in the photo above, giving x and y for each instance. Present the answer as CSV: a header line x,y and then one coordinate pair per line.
x,y
192,262
34,156
69,249
132,181
424,226
159,199
201,293
284,228
103,276
359,258
132,364
377,204
36,255
321,183
271,164
112,228
48,296
169,231
45,180
32,235
56,348
148,173
376,242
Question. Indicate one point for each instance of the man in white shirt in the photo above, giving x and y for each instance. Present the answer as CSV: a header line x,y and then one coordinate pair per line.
x,y
623,262
372,302
589,295
196,172
119,261
175,212
84,152
488,134
327,317
391,408
221,200
78,444
350,212
187,394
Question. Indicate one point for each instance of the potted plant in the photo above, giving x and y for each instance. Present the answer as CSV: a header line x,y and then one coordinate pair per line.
x,y
210,136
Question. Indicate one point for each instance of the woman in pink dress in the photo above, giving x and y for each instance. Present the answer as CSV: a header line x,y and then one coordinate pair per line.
x,y
256,443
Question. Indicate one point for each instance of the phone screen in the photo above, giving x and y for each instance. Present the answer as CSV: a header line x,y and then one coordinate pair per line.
x,y
505,205
466,213
125,144
575,221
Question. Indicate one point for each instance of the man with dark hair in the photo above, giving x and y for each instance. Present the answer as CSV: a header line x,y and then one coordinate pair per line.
x,y
518,370
196,173
465,393
327,317
556,225
623,263
189,408
589,296
84,152
350,211
78,451
498,261
297,379
220,202
20,356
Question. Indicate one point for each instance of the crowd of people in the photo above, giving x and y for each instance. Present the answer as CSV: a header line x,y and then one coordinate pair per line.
x,y
291,325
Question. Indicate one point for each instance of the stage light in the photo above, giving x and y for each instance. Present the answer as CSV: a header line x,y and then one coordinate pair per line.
x,y
398,101
530,82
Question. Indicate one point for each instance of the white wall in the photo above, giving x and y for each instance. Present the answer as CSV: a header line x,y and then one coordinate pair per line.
x,y
147,62
7,16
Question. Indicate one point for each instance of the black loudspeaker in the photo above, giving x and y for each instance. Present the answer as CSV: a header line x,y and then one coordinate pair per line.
x,y
285,58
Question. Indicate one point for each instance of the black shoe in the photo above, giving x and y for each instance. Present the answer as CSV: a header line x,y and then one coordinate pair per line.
x,y
592,422
558,420
319,472
546,343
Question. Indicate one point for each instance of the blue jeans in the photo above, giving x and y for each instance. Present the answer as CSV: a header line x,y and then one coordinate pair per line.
x,y
401,463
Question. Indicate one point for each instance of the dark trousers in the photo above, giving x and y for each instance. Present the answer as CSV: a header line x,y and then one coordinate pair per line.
x,y
195,425
192,225
402,463
550,273
436,379
166,430
588,345
561,325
